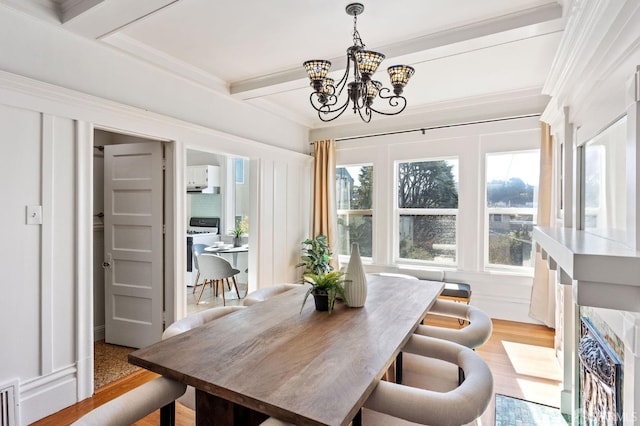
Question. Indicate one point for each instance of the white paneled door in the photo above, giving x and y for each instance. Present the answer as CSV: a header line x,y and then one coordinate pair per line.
x,y
134,279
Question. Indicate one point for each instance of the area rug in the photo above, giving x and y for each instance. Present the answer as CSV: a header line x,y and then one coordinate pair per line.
x,y
518,412
110,363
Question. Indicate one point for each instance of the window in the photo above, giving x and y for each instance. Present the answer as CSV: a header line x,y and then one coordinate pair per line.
x,y
354,188
428,210
605,182
239,190
512,195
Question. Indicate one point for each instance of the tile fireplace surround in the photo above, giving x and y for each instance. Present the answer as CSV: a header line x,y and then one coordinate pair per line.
x,y
603,275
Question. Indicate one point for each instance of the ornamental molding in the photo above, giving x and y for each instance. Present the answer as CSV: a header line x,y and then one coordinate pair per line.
x,y
597,40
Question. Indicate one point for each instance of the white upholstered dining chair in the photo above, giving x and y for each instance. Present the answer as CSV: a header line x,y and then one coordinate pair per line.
x,y
473,335
157,394
265,293
400,404
435,374
190,322
392,403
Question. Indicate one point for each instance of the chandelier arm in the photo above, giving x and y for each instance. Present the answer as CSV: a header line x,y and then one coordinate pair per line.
x,y
318,105
367,114
394,102
338,112
343,81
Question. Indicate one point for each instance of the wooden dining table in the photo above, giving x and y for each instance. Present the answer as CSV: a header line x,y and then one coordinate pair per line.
x,y
305,367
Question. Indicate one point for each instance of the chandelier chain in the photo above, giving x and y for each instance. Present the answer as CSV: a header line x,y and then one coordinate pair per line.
x,y
357,40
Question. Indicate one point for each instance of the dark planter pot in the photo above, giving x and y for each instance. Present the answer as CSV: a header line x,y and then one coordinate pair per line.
x,y
322,301
237,241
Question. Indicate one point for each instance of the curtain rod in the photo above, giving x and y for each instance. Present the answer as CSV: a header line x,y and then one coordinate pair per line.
x,y
444,126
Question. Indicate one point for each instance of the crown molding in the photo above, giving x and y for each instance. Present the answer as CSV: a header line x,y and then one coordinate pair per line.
x,y
599,38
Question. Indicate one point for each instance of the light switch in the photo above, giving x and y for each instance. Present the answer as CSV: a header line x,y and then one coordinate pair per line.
x,y
34,215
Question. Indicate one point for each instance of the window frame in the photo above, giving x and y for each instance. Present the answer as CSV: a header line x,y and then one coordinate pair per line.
x,y
344,258
488,211
398,212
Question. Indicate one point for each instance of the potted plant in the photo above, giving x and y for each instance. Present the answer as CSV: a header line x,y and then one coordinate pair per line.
x,y
241,229
316,256
326,284
324,288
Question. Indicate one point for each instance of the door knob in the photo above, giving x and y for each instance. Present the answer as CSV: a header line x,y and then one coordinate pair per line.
x,y
107,263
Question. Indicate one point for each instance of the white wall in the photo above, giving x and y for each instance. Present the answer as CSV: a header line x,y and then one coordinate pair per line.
x,y
46,308
47,291
37,307
501,294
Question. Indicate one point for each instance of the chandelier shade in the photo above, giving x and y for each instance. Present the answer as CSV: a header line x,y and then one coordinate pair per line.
x,y
399,76
368,61
373,88
317,68
331,100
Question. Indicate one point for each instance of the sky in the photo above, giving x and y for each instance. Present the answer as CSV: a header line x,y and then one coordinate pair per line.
x,y
524,165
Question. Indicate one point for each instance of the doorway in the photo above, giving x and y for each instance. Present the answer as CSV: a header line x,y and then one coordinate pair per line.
x,y
230,204
110,360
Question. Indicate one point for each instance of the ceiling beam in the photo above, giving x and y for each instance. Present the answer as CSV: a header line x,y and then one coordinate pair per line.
x,y
69,9
513,26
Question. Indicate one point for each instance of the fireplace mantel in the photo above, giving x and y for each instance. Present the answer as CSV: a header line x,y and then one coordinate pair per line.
x,y
603,273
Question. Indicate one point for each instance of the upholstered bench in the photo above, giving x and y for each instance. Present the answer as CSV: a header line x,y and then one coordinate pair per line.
x,y
460,292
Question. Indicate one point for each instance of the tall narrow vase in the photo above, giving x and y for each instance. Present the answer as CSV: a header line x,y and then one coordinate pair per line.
x,y
356,287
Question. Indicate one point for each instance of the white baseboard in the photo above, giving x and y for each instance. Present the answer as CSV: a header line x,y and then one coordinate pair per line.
x,y
47,394
98,333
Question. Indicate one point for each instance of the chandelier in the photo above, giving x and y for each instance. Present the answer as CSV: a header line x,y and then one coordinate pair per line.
x,y
361,92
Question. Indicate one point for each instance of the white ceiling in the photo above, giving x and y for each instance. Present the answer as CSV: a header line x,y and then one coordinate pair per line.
x,y
467,53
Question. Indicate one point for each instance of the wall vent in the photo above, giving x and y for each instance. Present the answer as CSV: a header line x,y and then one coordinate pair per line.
x,y
9,404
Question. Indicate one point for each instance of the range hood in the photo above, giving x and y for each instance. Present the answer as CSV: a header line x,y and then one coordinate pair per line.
x,y
203,179
203,190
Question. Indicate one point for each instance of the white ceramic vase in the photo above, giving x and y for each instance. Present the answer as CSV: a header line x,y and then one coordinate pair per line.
x,y
356,287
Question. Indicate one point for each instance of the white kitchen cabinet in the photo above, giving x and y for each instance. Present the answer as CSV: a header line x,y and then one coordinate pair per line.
x,y
201,177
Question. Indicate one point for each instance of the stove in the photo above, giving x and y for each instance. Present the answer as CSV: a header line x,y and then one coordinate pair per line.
x,y
201,230
203,225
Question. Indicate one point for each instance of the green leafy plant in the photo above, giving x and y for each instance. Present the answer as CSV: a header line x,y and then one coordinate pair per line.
x,y
316,256
329,283
241,228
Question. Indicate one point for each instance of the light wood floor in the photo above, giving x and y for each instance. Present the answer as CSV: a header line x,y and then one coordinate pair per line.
x,y
520,357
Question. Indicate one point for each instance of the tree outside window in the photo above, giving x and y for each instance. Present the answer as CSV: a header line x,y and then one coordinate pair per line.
x,y
427,210
354,189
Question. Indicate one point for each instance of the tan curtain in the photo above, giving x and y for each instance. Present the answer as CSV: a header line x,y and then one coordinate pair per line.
x,y
543,293
324,192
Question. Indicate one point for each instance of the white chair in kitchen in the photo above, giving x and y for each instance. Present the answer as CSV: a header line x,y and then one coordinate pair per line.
x,y
157,394
196,250
190,322
215,271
